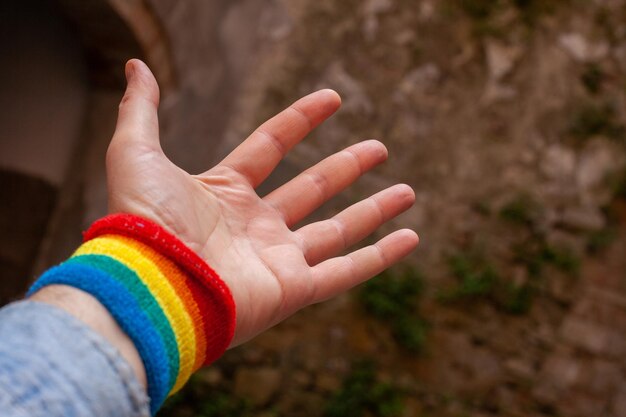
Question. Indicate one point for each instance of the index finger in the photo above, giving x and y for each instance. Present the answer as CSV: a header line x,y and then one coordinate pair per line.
x,y
261,152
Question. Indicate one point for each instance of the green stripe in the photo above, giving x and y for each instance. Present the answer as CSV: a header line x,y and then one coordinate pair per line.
x,y
131,281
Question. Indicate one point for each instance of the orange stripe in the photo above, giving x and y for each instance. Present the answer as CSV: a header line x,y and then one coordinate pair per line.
x,y
179,281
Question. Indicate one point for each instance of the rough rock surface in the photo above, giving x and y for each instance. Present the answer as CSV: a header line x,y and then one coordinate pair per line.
x,y
509,124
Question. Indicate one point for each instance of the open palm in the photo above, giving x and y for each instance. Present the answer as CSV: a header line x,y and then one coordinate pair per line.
x,y
271,270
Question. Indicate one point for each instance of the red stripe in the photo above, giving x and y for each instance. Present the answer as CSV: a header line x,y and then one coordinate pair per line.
x,y
218,308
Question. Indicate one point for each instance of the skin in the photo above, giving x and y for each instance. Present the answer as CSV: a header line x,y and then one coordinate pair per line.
x,y
272,269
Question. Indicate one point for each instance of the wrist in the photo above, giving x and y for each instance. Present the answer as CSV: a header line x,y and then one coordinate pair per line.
x,y
175,309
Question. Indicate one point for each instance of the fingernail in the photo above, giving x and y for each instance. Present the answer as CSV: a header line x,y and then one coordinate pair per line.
x,y
130,70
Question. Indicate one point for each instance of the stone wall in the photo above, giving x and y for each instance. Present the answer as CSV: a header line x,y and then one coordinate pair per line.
x,y
469,121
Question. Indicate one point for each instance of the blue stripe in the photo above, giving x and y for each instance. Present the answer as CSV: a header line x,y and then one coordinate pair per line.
x,y
129,279
129,315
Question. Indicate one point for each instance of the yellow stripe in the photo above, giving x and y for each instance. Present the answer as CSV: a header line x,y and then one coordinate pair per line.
x,y
144,261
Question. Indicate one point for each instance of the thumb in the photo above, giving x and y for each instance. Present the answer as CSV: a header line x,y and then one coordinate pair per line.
x,y
138,121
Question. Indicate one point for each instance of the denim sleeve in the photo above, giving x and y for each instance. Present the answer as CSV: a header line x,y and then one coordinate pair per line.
x,y
53,365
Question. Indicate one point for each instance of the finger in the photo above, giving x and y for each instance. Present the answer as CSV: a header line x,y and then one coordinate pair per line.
x,y
330,237
258,155
309,190
337,275
137,121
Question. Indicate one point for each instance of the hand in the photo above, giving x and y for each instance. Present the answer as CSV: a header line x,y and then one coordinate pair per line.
x,y
272,271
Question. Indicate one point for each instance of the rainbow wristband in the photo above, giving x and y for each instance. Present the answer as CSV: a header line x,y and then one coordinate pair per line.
x,y
178,312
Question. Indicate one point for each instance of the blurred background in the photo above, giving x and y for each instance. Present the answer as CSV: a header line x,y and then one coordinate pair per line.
x,y
506,116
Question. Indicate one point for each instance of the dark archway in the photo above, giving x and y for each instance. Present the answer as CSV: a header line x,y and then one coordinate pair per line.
x,y
56,59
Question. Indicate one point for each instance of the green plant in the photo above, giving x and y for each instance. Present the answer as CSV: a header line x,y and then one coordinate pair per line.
x,y
533,251
620,187
535,254
482,11
362,394
592,78
224,405
411,333
600,240
561,258
481,207
532,10
522,210
592,119
479,9
394,297
515,299
476,277
392,293
479,280
203,401
528,254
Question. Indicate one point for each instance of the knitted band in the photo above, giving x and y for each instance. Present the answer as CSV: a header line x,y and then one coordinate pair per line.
x,y
174,307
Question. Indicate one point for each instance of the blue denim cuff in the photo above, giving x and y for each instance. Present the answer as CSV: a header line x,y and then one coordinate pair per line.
x,y
54,365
